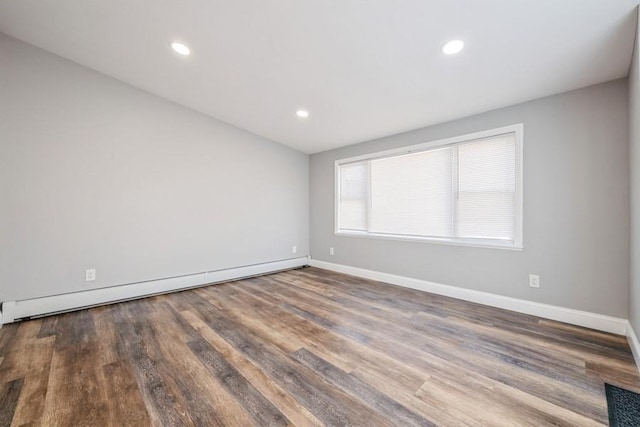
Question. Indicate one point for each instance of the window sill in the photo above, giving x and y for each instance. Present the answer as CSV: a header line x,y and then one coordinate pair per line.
x,y
476,243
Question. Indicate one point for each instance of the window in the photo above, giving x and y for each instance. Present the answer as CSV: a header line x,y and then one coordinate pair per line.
x,y
465,190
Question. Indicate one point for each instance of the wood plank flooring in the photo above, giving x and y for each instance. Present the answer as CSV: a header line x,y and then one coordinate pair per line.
x,y
306,347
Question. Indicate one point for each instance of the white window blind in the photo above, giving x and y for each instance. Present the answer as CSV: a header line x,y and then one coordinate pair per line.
x,y
354,196
464,191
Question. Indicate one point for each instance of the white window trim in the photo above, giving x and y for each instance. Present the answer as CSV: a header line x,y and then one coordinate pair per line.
x,y
517,245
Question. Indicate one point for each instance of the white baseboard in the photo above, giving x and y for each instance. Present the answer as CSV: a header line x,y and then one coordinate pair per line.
x,y
14,310
632,338
567,315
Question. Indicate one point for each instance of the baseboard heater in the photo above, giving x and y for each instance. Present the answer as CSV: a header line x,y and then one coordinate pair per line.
x,y
12,311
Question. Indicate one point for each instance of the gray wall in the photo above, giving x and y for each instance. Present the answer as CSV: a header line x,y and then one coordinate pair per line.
x,y
97,174
634,156
576,207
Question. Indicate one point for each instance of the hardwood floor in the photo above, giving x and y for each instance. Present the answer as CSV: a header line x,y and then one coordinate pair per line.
x,y
306,347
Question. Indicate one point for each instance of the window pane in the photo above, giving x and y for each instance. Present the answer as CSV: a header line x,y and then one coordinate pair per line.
x,y
486,196
412,194
353,196
465,192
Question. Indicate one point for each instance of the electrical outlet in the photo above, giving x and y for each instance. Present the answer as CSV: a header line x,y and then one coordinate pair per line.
x,y
294,250
90,275
534,280
331,251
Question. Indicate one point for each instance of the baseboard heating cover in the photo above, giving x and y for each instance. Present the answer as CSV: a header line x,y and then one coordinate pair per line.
x,y
16,310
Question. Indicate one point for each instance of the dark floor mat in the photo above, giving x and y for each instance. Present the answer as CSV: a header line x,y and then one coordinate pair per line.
x,y
624,407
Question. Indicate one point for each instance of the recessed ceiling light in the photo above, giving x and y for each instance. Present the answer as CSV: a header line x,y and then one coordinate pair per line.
x,y
303,114
452,47
182,49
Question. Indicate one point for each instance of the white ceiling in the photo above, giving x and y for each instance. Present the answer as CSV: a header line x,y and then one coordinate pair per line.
x,y
363,68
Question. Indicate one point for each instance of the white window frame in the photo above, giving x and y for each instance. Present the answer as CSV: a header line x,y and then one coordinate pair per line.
x,y
516,244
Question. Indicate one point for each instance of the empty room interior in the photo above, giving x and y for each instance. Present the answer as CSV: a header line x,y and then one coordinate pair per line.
x,y
341,213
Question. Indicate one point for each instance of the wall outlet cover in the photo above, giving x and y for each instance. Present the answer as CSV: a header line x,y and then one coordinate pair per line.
x,y
534,280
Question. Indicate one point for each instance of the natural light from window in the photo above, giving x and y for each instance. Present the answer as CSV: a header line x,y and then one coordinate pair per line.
x,y
465,190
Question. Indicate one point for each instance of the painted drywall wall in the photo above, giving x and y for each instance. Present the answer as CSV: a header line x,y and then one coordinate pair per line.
x,y
97,174
634,180
576,207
